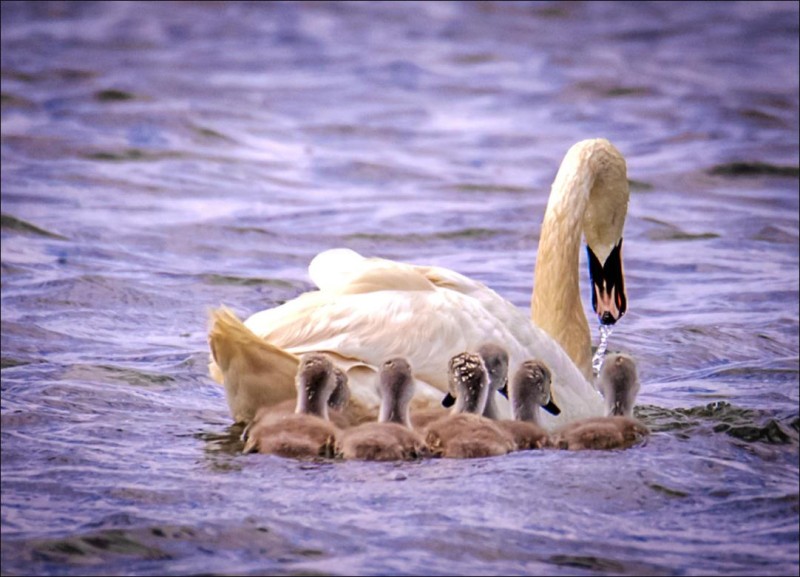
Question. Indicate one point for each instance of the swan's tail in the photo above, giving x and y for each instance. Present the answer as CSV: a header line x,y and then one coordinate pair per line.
x,y
255,373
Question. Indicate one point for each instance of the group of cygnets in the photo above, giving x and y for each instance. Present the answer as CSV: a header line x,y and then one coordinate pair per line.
x,y
316,426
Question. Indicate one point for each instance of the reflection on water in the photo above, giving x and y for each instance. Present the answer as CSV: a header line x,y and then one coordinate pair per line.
x,y
161,160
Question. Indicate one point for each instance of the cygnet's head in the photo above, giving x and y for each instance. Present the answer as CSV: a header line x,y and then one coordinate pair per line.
x,y
619,383
496,360
341,392
396,389
468,383
315,381
396,381
530,389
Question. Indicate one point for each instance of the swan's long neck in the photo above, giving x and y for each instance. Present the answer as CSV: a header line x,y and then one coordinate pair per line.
x,y
588,196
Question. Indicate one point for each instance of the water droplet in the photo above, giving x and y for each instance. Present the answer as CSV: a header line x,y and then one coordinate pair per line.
x,y
602,347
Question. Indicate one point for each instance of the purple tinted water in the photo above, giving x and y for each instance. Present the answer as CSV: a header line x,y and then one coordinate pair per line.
x,y
161,159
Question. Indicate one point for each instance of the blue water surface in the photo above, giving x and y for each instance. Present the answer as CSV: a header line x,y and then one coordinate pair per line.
x,y
159,159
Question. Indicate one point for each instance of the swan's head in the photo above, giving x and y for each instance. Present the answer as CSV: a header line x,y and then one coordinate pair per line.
x,y
315,381
341,392
468,383
396,381
619,384
603,221
496,360
609,299
531,387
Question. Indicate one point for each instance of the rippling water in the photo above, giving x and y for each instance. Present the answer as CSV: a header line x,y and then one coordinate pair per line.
x,y
161,159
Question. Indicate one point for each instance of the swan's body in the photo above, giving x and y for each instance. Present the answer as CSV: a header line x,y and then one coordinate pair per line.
x,y
306,433
466,433
370,309
620,383
391,438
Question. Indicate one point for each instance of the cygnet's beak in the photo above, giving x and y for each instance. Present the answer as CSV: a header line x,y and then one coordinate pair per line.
x,y
448,400
609,300
552,408
504,389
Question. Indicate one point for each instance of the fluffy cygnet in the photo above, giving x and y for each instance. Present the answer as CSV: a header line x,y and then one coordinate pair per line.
x,y
306,433
496,360
619,383
529,390
391,438
466,433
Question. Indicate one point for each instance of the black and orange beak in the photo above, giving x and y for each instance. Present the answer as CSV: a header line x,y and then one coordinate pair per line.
x,y
609,300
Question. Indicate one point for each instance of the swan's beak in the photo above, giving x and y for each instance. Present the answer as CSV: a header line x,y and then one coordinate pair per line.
x,y
448,400
609,300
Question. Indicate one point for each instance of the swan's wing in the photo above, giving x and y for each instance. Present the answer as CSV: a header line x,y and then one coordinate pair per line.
x,y
426,327
343,270
333,268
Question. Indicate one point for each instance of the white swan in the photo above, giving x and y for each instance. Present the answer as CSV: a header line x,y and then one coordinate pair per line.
x,y
370,309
